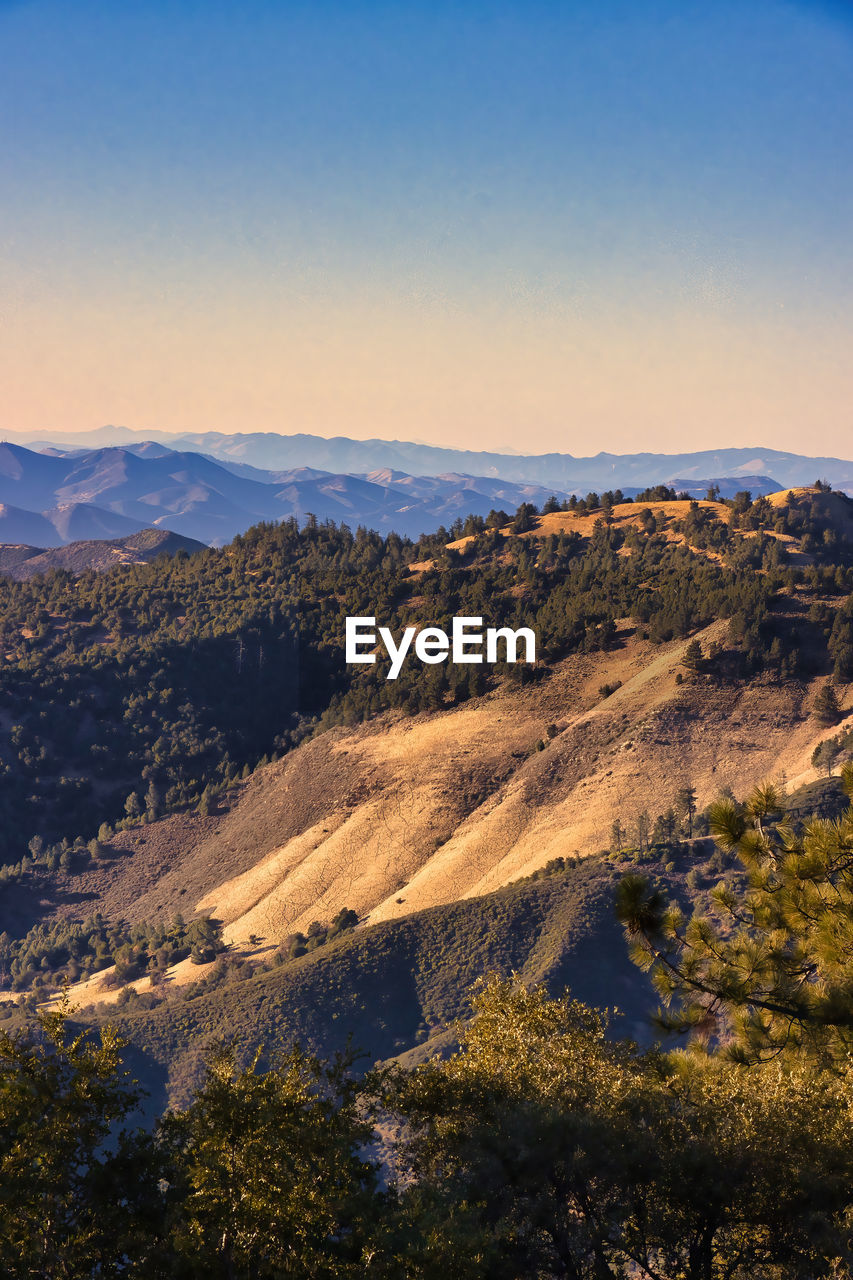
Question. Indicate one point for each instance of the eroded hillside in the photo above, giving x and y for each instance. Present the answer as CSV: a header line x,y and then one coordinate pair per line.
x,y
407,813
418,813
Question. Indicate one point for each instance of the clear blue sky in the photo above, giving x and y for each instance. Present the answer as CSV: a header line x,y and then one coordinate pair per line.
x,y
580,226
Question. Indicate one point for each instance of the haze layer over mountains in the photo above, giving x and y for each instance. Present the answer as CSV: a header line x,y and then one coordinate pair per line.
x,y
210,486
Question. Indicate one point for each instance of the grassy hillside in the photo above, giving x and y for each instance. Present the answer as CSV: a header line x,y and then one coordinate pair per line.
x,y
393,988
408,812
390,985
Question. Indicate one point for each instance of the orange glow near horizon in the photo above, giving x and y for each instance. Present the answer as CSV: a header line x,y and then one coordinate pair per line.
x,y
523,381
541,227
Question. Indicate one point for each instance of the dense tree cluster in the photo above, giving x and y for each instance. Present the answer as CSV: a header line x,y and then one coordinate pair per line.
x,y
841,641
69,950
806,517
541,1148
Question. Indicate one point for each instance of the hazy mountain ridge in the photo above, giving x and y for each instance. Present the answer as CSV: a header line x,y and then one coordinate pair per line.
x,y
54,497
59,496
276,451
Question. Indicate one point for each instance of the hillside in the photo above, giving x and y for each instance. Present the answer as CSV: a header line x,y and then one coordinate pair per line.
x,y
407,813
151,685
462,803
22,562
615,601
395,986
684,648
393,989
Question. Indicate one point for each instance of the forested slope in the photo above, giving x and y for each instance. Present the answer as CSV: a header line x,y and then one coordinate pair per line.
x,y
139,689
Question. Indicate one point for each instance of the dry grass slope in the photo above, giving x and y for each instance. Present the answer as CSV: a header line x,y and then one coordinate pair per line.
x,y
403,814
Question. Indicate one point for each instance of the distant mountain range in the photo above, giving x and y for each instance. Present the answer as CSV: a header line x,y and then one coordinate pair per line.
x,y
272,451
59,495
51,498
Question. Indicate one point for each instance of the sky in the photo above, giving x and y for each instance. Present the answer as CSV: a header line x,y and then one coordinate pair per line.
x,y
618,226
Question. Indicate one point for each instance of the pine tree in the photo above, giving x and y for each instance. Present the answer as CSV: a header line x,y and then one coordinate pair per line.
x,y
685,806
693,656
769,971
205,803
153,801
642,830
826,709
132,806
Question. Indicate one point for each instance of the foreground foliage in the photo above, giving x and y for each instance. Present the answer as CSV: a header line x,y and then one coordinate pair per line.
x,y
541,1148
67,1209
768,970
550,1150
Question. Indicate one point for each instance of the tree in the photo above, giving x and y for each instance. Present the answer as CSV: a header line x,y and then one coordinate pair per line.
x,y
525,518
685,806
69,1206
618,837
825,755
693,656
826,709
642,829
544,1147
153,801
670,826
132,807
267,1173
769,971
205,803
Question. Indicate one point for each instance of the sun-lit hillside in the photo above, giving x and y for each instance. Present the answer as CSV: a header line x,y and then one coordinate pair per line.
x,y
460,803
391,805
407,813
